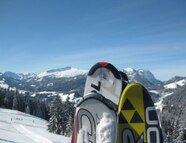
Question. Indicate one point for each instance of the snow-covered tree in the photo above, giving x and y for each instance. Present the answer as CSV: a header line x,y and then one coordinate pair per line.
x,y
69,113
56,116
168,139
69,126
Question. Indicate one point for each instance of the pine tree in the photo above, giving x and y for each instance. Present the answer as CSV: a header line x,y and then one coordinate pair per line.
x,y
184,136
69,113
176,129
168,139
8,100
37,108
27,109
56,116
69,126
15,103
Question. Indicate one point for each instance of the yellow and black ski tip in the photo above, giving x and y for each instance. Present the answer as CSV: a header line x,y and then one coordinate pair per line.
x,y
138,120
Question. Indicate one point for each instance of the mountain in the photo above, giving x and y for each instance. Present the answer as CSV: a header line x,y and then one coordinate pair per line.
x,y
70,81
66,79
144,77
11,75
67,72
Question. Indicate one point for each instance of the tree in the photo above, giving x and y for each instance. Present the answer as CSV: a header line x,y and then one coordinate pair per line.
x,y
168,139
56,116
69,126
8,100
27,109
69,113
15,103
184,136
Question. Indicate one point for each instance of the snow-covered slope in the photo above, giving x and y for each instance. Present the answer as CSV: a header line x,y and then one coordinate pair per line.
x,y
3,84
169,88
175,84
63,72
18,127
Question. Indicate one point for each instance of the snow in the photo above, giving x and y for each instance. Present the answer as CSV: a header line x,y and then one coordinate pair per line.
x,y
105,131
129,70
159,104
174,85
32,85
18,127
33,95
47,92
62,95
154,91
4,86
72,72
50,84
65,96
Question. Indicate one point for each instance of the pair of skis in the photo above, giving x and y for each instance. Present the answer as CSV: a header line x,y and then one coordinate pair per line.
x,y
113,111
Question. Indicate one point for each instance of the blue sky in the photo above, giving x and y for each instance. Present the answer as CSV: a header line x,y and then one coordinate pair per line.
x,y
36,35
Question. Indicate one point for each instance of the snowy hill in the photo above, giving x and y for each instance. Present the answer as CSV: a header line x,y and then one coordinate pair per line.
x,y
18,127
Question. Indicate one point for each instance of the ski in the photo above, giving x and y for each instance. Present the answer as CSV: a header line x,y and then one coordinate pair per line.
x,y
95,120
138,120
106,80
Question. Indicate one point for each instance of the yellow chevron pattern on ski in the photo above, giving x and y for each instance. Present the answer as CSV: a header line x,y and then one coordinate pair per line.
x,y
132,114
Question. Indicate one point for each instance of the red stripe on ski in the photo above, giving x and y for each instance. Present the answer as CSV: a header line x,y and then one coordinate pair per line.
x,y
103,64
75,129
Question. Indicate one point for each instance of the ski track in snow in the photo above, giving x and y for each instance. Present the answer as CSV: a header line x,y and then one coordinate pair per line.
x,y
36,138
18,127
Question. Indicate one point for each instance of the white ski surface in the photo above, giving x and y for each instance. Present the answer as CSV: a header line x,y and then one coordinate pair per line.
x,y
105,131
83,136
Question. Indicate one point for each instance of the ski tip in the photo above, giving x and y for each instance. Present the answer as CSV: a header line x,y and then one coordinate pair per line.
x,y
103,64
107,66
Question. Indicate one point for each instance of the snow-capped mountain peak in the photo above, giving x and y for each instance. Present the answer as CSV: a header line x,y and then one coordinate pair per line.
x,y
27,75
129,70
63,72
59,69
143,76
